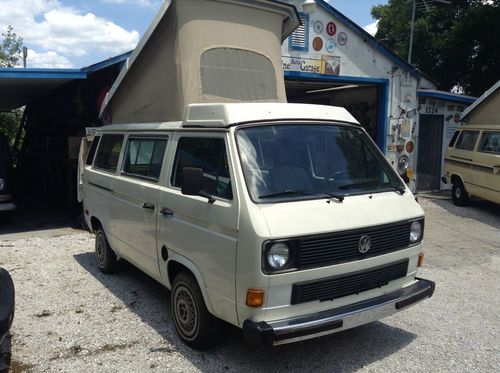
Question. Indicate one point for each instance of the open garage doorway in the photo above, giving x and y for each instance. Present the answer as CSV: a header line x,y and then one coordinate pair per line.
x,y
365,99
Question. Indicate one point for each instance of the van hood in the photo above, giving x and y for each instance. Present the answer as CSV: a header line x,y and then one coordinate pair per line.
x,y
301,218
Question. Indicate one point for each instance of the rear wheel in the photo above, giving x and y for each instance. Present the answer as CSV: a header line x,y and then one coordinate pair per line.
x,y
459,194
193,322
105,256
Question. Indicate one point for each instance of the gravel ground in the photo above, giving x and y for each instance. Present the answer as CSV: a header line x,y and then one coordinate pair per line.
x,y
72,318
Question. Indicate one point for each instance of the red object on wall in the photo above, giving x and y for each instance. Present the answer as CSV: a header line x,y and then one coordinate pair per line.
x,y
101,97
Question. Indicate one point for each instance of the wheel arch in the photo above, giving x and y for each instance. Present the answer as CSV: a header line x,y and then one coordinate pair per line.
x,y
177,264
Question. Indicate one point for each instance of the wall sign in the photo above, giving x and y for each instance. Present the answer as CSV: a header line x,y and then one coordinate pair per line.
x,y
331,28
342,38
317,43
331,45
318,27
328,65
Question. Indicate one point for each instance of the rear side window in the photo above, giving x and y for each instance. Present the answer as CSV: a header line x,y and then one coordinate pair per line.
x,y
454,139
467,140
210,155
145,157
108,152
92,150
490,142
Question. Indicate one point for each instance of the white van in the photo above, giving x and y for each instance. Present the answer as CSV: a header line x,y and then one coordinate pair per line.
x,y
282,219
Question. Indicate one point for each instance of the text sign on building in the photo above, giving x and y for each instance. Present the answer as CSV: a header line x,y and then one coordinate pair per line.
x,y
327,65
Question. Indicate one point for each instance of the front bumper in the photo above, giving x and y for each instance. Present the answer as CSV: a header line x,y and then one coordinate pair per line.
x,y
314,325
6,302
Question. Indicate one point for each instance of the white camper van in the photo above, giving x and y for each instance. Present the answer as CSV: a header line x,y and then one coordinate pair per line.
x,y
283,219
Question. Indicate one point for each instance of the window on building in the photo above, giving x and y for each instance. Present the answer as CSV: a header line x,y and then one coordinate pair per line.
x,y
108,152
467,140
92,150
299,40
490,142
144,157
238,74
210,155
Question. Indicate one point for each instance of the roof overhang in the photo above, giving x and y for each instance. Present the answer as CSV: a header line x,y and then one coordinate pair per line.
x,y
19,87
446,96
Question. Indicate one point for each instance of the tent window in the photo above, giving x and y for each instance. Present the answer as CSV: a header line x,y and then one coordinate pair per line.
x,y
238,74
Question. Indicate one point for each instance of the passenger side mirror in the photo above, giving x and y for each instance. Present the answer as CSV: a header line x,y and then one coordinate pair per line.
x,y
192,179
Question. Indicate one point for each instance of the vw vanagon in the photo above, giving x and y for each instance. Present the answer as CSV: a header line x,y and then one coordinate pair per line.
x,y
284,220
472,163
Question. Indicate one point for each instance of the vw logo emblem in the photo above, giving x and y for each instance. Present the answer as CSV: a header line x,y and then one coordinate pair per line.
x,y
364,244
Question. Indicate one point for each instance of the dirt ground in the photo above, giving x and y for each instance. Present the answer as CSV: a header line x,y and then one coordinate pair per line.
x,y
71,318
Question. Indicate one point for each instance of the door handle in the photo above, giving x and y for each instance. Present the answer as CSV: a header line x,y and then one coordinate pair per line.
x,y
166,212
148,206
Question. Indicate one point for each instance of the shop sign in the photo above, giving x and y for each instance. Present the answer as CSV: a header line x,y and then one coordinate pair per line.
x,y
328,65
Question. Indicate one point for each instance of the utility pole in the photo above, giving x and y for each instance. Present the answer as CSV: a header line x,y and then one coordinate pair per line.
x,y
413,13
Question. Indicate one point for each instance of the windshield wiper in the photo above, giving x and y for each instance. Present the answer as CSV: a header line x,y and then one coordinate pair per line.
x,y
339,197
287,192
399,189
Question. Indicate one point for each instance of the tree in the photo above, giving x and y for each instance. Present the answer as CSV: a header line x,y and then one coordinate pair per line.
x,y
10,53
10,49
456,44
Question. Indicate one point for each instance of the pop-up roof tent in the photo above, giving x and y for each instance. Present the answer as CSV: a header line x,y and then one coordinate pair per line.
x,y
202,51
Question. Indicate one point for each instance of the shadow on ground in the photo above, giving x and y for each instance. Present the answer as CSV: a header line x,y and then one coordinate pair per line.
x,y
483,211
345,351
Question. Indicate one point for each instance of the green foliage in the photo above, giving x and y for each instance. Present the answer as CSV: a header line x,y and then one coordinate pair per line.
x,y
455,44
10,49
9,123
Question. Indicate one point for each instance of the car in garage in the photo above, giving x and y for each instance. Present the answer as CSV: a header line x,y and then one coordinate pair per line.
x,y
7,301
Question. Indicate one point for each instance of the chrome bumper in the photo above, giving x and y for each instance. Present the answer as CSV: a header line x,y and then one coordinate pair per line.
x,y
335,320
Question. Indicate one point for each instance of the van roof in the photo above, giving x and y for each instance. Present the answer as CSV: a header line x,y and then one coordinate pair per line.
x,y
227,115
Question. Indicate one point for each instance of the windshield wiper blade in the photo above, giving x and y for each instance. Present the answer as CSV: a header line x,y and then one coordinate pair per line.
x,y
287,193
399,189
339,197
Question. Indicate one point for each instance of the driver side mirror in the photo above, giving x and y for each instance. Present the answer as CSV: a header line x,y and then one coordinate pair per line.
x,y
192,179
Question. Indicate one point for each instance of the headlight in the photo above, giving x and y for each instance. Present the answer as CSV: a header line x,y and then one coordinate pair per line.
x,y
416,231
2,184
278,255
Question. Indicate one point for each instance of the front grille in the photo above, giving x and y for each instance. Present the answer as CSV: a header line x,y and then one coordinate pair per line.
x,y
334,248
347,284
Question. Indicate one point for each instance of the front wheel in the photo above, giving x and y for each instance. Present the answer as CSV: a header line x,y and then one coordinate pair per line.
x,y
459,194
105,256
194,324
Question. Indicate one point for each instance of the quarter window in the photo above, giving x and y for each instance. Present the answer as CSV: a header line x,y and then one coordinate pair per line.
x,y
490,143
145,157
92,150
109,152
467,140
210,155
454,139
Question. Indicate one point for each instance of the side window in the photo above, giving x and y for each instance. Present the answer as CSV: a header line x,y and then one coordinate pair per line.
x,y
454,139
92,150
210,155
144,157
467,140
108,152
490,143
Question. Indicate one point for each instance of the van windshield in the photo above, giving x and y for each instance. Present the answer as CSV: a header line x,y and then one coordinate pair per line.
x,y
284,162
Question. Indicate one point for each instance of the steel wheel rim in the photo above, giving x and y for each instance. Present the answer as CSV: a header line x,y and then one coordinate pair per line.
x,y
100,251
458,192
185,312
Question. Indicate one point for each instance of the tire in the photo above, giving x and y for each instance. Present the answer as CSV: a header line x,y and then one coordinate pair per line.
x,y
106,259
459,194
193,323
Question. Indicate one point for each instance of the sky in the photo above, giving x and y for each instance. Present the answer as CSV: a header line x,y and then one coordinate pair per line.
x,y
78,33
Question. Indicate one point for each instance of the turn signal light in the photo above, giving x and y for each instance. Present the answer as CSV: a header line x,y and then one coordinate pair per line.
x,y
420,262
255,297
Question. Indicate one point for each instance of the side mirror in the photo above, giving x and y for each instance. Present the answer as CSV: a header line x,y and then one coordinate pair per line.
x,y
192,179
